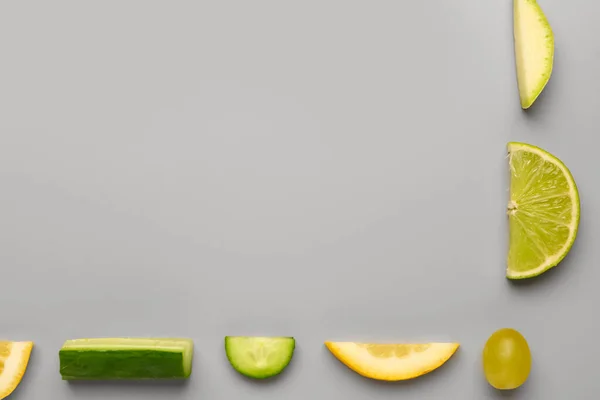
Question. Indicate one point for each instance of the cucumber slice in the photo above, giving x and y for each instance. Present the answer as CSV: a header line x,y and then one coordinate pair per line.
x,y
126,358
259,357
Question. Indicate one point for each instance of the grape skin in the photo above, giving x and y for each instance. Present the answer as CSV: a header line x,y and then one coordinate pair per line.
x,y
506,359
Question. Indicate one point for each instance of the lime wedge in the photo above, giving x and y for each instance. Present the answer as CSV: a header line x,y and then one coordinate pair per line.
x,y
543,211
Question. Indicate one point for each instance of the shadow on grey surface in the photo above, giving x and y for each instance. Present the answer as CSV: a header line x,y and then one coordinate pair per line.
x,y
519,393
166,387
282,377
424,380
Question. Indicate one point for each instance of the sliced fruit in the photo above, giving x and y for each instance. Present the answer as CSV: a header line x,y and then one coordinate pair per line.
x,y
126,358
534,50
392,362
506,359
543,211
14,357
259,357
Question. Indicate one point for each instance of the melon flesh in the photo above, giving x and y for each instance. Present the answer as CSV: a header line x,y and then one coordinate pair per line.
x,y
534,50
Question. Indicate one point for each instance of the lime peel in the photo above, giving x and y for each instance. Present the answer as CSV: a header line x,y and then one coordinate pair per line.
x,y
543,210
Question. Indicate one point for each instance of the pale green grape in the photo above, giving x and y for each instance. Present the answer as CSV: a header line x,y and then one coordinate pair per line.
x,y
506,359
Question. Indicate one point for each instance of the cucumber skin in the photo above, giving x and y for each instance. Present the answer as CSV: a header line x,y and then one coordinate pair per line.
x,y
98,364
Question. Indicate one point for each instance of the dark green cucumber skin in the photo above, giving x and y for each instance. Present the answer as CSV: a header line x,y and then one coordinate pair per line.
x,y
120,364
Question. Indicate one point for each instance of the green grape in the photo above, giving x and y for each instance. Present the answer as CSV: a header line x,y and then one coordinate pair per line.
x,y
506,359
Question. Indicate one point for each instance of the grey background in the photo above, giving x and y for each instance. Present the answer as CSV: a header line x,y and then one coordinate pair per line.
x,y
323,169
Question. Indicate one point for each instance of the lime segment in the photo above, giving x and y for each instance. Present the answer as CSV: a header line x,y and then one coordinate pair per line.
x,y
543,211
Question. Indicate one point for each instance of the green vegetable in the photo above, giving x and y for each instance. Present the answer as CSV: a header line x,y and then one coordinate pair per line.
x,y
126,358
259,357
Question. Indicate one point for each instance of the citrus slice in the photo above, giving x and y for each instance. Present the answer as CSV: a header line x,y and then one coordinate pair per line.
x,y
392,362
14,357
543,211
534,50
